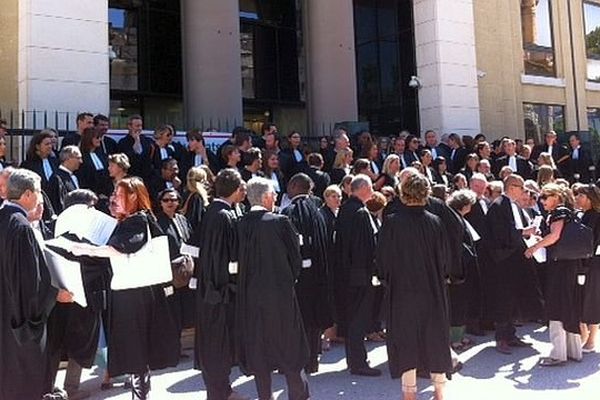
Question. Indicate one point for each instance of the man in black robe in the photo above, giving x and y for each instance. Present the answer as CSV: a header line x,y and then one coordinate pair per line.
x,y
355,249
64,180
216,273
269,331
417,305
26,297
312,287
506,228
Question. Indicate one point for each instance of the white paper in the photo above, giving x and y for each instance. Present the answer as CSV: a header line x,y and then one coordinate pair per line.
x,y
472,231
87,223
301,240
375,281
598,251
233,267
540,255
307,263
66,274
61,243
537,221
189,250
193,283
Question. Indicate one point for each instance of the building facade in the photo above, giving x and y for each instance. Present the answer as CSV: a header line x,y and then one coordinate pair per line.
x,y
501,67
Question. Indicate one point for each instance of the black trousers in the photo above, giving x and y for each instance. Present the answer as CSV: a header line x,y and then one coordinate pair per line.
x,y
359,313
313,337
296,383
217,384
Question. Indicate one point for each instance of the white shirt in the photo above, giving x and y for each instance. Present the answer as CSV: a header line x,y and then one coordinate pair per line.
x,y
163,153
516,215
434,153
297,155
275,182
198,161
575,155
375,168
484,206
550,149
73,177
97,163
47,168
429,174
512,163
403,161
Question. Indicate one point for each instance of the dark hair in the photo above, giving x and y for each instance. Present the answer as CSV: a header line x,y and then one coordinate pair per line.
x,y
162,194
100,117
301,182
84,115
133,118
268,126
240,136
166,162
315,160
35,141
360,165
253,154
228,180
436,163
195,134
227,151
81,196
87,137
266,155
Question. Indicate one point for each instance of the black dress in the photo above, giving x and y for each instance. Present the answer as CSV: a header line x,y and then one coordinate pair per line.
x,y
561,282
591,290
143,333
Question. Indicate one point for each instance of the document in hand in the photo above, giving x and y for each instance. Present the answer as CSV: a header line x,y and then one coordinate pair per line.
x,y
66,274
540,255
87,223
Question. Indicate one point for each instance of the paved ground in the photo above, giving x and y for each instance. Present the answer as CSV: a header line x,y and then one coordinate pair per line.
x,y
487,375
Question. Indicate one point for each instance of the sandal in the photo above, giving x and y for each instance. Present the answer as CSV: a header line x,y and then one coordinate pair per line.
x,y
551,362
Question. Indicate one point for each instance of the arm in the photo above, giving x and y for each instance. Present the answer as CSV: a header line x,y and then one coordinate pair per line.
x,y
548,240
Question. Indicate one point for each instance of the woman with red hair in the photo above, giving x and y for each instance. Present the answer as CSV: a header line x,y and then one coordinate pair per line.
x,y
142,332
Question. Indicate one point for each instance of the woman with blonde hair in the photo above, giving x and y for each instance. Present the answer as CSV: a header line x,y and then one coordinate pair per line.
x,y
389,172
197,198
545,175
562,307
341,165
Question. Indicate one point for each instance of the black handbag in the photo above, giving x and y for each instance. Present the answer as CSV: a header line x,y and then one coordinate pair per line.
x,y
576,242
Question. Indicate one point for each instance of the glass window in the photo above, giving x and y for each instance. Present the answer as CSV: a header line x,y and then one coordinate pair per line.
x,y
593,115
123,51
592,40
541,118
536,26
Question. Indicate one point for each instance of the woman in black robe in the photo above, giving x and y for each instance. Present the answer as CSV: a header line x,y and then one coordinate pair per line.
x,y
177,229
39,157
389,173
562,308
196,200
588,201
142,331
416,304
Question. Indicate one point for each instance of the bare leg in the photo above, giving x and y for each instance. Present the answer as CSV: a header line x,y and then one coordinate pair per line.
x,y
439,381
409,385
585,332
590,343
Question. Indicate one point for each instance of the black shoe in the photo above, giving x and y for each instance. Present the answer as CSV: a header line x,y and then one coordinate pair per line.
x,y
366,371
312,368
516,342
503,347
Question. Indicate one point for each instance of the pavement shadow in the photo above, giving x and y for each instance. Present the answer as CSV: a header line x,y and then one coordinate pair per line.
x,y
491,363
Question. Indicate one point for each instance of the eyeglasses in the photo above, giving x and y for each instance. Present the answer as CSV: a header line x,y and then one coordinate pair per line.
x,y
170,200
545,196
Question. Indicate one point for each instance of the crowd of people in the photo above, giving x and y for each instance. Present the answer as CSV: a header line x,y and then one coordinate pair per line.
x,y
279,251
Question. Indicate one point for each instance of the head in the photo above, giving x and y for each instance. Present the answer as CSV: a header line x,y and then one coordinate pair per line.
x,y
341,139
169,169
294,139
196,182
227,184
399,146
2,147
478,184
440,165
299,184
550,138
315,160
545,175
242,138
343,158
90,140
324,143
231,155
252,159
163,135
460,181
439,192
412,143
415,190
525,152
361,166
118,165
169,200
588,198
552,196
384,144
131,196
333,197
505,171
268,128
513,187
454,141
345,184
271,140
102,124
426,157
546,159
135,124
41,145
24,188
3,127
376,203
510,147
81,196
461,201
70,158
494,190
4,175
260,192
431,139
195,141
84,120
391,165
574,141
270,161
472,161
483,150
484,167
361,187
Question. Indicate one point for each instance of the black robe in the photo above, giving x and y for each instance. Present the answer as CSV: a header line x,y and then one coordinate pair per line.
x,y
270,333
26,300
416,304
312,286
591,290
215,293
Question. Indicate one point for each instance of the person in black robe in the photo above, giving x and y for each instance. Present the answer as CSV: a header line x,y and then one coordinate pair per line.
x,y
137,147
312,286
506,229
64,180
142,334
216,274
269,332
416,304
26,296
354,269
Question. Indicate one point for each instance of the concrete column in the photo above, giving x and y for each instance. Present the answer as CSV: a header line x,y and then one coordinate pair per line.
x,y
446,65
332,92
63,56
212,62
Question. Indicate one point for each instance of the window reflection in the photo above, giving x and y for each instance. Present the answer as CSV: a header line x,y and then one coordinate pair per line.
x,y
536,26
541,118
123,51
592,40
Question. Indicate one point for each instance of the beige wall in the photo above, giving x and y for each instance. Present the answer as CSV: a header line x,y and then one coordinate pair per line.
x,y
502,92
9,16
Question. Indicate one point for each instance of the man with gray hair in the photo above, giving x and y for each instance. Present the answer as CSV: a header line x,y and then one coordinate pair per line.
x,y
26,296
270,262
64,180
353,271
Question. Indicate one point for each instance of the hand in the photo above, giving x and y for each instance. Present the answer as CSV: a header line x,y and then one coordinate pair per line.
x,y
176,182
79,249
64,296
529,252
530,230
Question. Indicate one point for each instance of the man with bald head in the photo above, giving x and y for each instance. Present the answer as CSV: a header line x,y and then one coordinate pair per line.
x,y
507,226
